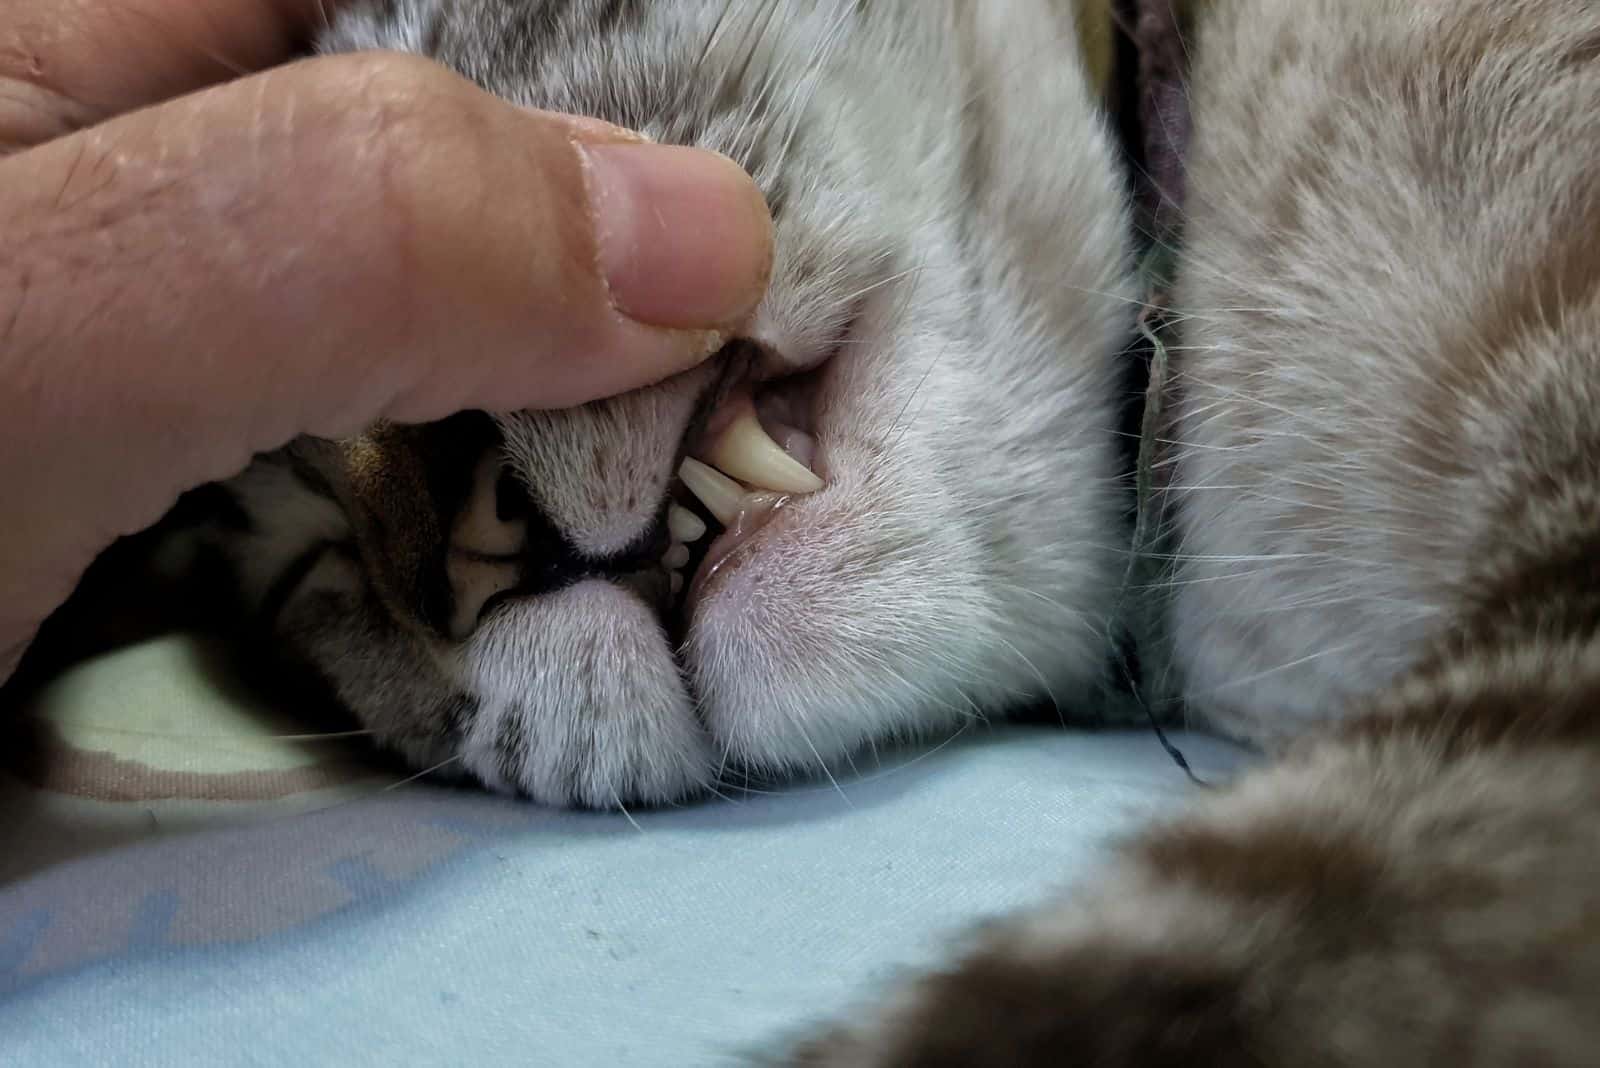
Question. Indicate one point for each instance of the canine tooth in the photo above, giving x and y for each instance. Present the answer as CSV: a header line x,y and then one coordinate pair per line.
x,y
797,443
719,493
746,451
676,556
684,525
676,581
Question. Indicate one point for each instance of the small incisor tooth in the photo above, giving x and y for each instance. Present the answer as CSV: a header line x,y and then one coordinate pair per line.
x,y
747,452
676,556
719,493
684,525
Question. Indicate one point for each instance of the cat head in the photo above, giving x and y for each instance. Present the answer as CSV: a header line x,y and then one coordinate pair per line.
x,y
889,508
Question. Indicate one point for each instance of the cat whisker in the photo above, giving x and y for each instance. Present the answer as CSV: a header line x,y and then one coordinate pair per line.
x,y
851,298
734,74
900,422
1245,680
809,83
617,798
754,121
923,754
823,764
711,43
408,780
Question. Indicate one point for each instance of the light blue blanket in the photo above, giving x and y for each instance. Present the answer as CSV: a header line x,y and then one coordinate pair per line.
x,y
427,926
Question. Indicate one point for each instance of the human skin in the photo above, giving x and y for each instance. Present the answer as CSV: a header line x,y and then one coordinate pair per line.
x,y
204,254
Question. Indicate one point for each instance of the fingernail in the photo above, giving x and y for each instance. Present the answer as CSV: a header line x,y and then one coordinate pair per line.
x,y
683,236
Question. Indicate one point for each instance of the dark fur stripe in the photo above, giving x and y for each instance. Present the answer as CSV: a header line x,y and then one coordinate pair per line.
x,y
1092,1005
307,474
291,577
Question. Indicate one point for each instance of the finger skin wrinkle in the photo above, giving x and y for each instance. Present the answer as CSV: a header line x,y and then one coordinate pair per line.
x,y
30,114
103,57
63,200
19,300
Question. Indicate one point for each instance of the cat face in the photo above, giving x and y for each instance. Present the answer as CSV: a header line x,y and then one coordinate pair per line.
x,y
921,532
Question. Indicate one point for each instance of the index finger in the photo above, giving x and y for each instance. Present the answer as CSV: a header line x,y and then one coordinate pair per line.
x,y
65,64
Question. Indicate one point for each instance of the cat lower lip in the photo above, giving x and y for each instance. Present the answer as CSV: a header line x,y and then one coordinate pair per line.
x,y
756,455
745,513
760,510
751,459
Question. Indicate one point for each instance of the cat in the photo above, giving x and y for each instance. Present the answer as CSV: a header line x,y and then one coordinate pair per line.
x,y
928,524
1381,480
1377,481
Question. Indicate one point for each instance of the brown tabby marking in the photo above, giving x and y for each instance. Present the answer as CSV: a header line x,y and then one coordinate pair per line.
x,y
1096,1006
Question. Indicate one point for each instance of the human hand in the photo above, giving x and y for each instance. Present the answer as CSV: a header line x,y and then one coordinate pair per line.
x,y
305,250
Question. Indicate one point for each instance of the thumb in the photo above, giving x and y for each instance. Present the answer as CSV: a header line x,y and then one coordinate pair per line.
x,y
319,246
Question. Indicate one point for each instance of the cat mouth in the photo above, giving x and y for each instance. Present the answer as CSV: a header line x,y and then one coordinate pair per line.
x,y
751,454
755,455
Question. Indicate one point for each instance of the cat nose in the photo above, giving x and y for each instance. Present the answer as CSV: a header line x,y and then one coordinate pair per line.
x,y
503,545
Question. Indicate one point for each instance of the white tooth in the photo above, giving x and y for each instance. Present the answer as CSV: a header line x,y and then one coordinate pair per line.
x,y
745,451
685,525
719,493
676,581
676,556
